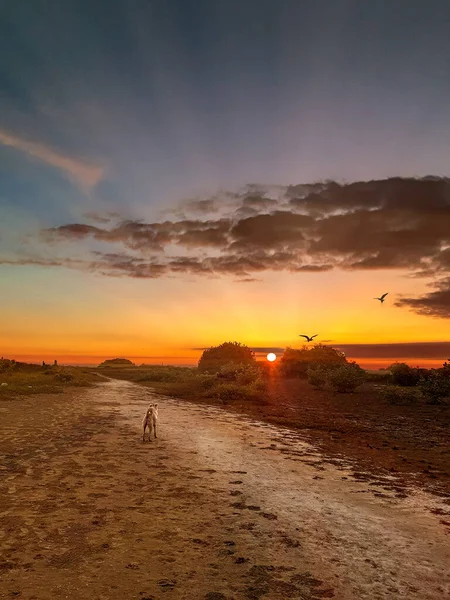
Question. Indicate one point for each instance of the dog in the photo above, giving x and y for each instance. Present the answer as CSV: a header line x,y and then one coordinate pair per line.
x,y
149,421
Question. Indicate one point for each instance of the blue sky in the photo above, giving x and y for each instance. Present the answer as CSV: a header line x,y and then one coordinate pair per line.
x,y
182,97
132,107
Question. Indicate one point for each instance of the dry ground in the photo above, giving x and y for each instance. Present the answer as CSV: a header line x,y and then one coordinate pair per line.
x,y
218,508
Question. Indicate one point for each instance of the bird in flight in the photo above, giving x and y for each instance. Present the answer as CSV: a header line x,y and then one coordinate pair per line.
x,y
381,298
308,339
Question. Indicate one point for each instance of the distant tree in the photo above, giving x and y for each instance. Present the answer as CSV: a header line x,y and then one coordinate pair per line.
x,y
295,363
346,378
213,359
403,374
55,364
117,362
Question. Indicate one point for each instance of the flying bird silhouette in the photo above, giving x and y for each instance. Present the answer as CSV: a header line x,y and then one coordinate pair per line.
x,y
381,298
309,339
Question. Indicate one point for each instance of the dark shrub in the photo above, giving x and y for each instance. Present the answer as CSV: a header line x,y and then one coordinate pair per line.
x,y
403,374
346,378
380,376
64,377
229,392
394,394
166,374
444,370
241,374
295,363
317,375
213,359
436,387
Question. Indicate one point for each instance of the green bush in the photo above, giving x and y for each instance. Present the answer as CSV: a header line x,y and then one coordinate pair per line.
x,y
317,375
166,374
213,359
346,378
403,374
229,392
436,387
394,394
64,377
295,363
239,373
6,366
206,382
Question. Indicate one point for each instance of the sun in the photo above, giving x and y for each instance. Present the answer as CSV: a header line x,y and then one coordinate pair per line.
x,y
271,357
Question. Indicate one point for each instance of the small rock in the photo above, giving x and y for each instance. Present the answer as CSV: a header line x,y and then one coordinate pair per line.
x,y
167,582
269,516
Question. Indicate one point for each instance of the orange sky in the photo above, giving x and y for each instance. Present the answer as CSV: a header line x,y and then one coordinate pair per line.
x,y
83,318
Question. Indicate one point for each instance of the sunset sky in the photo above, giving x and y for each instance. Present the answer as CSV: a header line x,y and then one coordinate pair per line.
x,y
179,173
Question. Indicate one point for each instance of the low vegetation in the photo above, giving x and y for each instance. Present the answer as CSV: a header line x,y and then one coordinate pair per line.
x,y
225,373
403,396
230,373
404,375
23,379
213,359
346,378
436,387
295,363
343,378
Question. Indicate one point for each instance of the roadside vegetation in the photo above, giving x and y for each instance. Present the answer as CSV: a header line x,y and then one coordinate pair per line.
x,y
226,373
23,379
230,372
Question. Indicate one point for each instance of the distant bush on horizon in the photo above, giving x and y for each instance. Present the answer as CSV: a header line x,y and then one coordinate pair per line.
x,y
296,362
404,375
116,362
346,378
213,359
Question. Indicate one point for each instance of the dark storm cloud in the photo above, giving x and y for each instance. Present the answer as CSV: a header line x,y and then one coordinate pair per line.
x,y
389,224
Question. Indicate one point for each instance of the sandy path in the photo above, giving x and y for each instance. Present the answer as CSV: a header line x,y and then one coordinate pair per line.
x,y
219,507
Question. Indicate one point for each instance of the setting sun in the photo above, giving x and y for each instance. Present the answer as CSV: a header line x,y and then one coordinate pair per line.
x,y
271,357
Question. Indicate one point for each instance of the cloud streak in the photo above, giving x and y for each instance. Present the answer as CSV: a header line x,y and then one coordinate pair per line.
x,y
81,172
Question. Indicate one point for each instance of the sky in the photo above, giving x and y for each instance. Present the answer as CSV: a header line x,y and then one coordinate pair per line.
x,y
179,173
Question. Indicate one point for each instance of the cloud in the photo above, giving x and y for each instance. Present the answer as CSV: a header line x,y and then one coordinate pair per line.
x,y
98,218
434,304
82,172
395,223
428,350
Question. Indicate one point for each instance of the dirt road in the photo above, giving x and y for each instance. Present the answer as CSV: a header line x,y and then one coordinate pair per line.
x,y
219,507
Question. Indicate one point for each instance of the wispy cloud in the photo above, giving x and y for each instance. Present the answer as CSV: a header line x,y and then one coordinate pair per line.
x,y
84,173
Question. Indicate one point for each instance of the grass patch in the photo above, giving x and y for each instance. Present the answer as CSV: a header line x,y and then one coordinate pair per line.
x,y
231,383
24,379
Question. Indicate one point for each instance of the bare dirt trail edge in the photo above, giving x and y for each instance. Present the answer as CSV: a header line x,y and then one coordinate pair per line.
x,y
219,507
